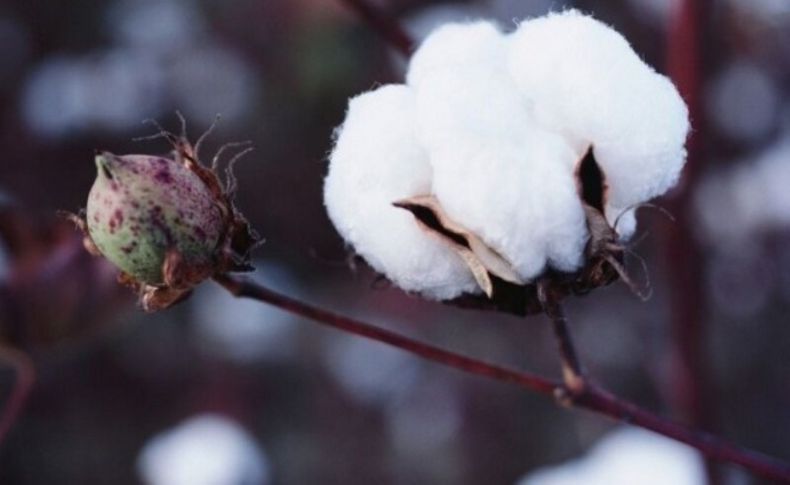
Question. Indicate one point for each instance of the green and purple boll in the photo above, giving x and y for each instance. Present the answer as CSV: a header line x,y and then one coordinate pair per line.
x,y
166,223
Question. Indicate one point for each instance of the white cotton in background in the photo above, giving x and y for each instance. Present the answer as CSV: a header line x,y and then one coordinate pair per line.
x,y
243,330
479,45
586,82
213,79
170,25
748,199
497,173
743,101
377,161
207,449
427,421
372,374
627,456
110,90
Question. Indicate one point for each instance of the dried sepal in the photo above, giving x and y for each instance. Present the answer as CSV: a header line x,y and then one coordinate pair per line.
x,y
483,261
604,253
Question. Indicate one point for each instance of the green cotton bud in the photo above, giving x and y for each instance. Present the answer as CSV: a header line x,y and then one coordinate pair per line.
x,y
141,207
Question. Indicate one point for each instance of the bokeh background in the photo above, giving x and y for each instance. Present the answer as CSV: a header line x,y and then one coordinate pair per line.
x,y
231,389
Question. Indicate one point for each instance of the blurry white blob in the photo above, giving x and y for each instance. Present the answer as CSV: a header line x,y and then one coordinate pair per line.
x,y
657,13
207,449
243,330
748,199
494,126
156,64
372,374
743,101
627,456
158,26
210,80
112,90
425,421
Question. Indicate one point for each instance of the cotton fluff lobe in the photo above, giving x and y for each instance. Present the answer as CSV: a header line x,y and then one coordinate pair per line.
x,y
494,127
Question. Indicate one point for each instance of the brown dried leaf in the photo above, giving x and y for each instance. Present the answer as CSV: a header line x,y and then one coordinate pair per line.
x,y
481,259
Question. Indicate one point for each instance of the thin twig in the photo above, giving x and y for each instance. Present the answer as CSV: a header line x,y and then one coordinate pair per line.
x,y
593,397
243,287
572,372
383,24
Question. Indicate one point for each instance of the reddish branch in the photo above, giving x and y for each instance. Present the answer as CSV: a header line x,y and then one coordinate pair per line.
x,y
679,248
590,396
687,355
383,24
572,373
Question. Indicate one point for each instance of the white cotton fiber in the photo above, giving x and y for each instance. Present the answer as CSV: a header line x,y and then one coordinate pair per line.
x,y
586,82
503,177
377,161
494,126
476,44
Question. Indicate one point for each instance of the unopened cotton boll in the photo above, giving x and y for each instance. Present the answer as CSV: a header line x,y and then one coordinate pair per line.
x,y
586,82
377,161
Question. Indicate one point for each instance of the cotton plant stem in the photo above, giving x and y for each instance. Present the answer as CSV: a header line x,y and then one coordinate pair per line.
x,y
591,397
572,372
382,24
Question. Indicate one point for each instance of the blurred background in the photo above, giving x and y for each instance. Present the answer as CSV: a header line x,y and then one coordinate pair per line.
x,y
232,392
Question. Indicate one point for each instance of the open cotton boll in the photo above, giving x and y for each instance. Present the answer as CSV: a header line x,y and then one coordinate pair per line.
x,y
479,44
586,82
498,174
375,162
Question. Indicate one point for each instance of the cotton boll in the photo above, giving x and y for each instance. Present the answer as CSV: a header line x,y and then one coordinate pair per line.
x,y
496,173
478,44
587,83
377,161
